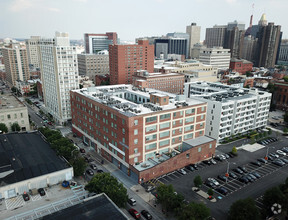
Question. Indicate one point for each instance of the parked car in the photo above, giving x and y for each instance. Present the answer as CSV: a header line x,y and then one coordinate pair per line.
x,y
90,172
93,166
195,166
231,155
237,170
262,160
280,152
50,123
215,182
249,178
223,156
219,158
26,197
227,156
256,163
134,213
284,149
146,214
82,150
222,190
210,184
182,171
213,161
256,174
244,179
190,167
41,191
270,157
278,163
232,175
274,155
132,201
208,162
252,176
243,169
284,160
222,177
86,159
100,171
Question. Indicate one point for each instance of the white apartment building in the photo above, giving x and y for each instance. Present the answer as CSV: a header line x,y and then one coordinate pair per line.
x,y
32,47
192,69
93,64
59,75
216,56
230,110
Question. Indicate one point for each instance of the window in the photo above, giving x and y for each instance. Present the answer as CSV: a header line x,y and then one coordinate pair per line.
x,y
200,132
123,130
135,159
151,119
164,134
188,120
202,117
135,141
199,149
151,137
164,125
190,111
188,136
123,140
15,116
163,143
189,128
135,131
165,116
135,122
150,146
135,150
8,116
187,155
151,128
202,109
210,146
123,121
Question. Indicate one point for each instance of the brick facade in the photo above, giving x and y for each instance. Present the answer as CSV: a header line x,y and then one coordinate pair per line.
x,y
240,66
280,96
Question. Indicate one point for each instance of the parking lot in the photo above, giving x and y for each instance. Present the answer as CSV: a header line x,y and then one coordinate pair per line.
x,y
271,175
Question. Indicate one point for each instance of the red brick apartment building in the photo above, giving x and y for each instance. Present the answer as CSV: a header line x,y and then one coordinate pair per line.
x,y
280,95
141,131
240,65
167,82
125,60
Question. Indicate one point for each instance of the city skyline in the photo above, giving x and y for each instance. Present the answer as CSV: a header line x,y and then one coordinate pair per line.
x,y
25,18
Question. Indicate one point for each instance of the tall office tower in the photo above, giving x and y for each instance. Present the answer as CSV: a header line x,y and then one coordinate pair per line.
x,y
16,63
215,36
234,41
194,32
283,53
97,42
269,38
33,52
255,28
125,60
248,48
167,46
216,56
59,75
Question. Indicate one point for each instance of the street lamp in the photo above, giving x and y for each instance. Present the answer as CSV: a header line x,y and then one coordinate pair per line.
x,y
227,173
266,157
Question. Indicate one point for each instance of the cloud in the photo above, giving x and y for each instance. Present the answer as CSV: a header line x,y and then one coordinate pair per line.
x,y
80,0
231,1
160,1
20,5
53,9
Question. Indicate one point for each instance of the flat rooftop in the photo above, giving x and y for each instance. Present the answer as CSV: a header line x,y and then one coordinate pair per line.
x,y
8,101
96,207
198,141
25,156
122,98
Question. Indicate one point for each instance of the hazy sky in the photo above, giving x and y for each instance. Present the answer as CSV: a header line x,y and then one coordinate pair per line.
x,y
130,18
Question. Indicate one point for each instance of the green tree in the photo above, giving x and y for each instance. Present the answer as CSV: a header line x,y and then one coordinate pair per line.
x,y
15,127
252,139
264,134
271,88
79,166
260,135
286,117
273,195
197,181
285,78
285,130
269,132
210,192
169,199
194,211
14,89
244,209
3,128
104,182
234,150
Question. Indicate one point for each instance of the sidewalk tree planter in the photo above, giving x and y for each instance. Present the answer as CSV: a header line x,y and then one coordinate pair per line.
x,y
198,181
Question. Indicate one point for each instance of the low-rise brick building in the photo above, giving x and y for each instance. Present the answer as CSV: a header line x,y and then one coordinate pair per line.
x,y
240,65
280,95
132,127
